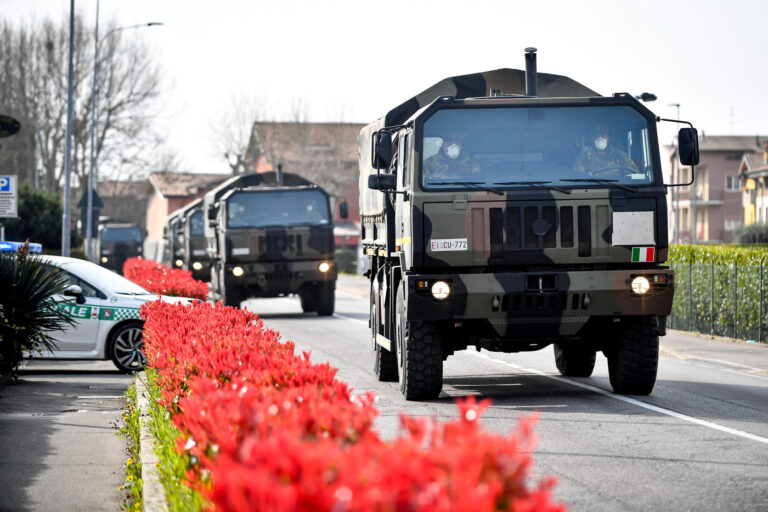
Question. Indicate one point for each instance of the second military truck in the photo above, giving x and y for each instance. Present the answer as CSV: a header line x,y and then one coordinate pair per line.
x,y
510,210
271,234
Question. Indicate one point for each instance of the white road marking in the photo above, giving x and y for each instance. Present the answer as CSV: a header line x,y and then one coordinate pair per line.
x,y
364,322
632,401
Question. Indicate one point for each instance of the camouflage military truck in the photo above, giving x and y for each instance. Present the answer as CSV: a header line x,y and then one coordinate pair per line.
x,y
516,247
185,240
117,243
269,235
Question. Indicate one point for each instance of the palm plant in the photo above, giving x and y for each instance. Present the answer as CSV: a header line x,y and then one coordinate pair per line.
x,y
27,315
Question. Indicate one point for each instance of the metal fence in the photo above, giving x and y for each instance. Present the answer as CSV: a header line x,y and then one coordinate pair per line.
x,y
723,300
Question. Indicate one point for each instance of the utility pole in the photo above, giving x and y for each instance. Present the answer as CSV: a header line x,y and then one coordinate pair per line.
x,y
66,226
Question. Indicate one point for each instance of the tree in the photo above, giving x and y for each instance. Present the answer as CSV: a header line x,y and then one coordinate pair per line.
x,y
33,88
39,219
231,131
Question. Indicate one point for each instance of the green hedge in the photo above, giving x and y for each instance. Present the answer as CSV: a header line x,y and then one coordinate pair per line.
x,y
720,290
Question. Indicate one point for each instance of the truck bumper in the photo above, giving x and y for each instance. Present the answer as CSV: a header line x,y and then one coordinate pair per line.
x,y
272,279
555,303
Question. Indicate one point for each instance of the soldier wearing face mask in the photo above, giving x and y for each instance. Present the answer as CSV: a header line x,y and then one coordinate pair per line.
x,y
451,161
600,159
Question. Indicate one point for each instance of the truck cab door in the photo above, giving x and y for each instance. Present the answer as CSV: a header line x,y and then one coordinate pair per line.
x,y
402,198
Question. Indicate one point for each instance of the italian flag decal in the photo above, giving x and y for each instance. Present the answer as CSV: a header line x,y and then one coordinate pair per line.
x,y
643,254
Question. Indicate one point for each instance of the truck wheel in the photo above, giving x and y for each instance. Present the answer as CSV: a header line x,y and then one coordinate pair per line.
x,y
573,361
306,297
326,297
231,297
125,348
419,353
384,361
632,364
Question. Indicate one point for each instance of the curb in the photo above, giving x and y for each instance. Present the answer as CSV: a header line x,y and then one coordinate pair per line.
x,y
153,490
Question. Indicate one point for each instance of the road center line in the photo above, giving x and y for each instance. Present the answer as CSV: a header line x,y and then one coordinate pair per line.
x,y
365,322
632,401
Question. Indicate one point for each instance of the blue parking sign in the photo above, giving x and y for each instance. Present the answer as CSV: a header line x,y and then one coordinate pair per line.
x,y
5,183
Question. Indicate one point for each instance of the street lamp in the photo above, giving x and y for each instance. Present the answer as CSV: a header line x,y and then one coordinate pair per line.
x,y
647,96
94,128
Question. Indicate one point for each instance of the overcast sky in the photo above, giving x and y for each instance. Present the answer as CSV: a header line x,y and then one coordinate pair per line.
x,y
353,60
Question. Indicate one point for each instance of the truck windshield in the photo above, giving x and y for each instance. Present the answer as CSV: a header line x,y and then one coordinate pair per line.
x,y
196,227
127,234
551,147
277,208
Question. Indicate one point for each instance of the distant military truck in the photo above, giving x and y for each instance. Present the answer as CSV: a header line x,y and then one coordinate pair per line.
x,y
185,240
269,235
117,243
510,210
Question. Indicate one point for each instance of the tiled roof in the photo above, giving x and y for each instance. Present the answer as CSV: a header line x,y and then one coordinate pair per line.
x,y
295,143
754,162
731,142
183,184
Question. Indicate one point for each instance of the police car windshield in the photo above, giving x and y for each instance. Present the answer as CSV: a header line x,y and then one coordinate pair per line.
x,y
518,147
277,208
102,278
126,234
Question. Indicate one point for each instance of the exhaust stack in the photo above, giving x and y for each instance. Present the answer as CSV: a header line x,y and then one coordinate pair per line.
x,y
530,71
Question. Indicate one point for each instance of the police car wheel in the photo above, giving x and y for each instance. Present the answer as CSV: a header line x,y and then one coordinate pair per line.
x,y
125,348
633,362
419,355
573,361
385,361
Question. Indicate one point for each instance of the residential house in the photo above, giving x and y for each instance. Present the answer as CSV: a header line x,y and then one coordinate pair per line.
x,y
715,199
754,179
169,191
324,153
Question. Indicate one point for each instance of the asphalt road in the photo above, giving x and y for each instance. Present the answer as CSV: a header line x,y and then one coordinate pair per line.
x,y
699,442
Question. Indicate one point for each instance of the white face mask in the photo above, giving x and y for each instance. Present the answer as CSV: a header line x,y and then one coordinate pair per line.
x,y
601,143
453,151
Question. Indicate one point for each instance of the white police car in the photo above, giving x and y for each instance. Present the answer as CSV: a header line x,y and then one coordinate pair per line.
x,y
105,306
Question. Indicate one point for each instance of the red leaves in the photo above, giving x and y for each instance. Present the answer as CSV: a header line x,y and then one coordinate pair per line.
x,y
161,279
276,432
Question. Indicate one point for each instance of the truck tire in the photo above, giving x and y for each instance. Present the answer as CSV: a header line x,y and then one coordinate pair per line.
x,y
325,295
632,364
307,299
384,361
419,354
574,361
231,297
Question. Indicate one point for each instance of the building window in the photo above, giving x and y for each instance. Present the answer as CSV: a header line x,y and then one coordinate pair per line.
x,y
732,225
732,183
685,174
684,222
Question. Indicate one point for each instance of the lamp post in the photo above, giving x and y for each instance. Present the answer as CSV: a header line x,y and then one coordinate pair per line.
x,y
93,173
66,228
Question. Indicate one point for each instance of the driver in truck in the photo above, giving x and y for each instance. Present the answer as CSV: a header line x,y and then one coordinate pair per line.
x,y
452,161
600,159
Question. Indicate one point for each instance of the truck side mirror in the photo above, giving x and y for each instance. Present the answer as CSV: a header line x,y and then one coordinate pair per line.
x,y
688,144
382,182
344,210
382,150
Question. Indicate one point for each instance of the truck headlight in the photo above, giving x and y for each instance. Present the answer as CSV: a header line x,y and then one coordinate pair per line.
x,y
197,265
640,285
441,290
104,259
324,267
238,271
179,263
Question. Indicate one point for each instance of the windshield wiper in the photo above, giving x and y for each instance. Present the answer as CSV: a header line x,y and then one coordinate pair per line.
x,y
599,181
533,184
472,184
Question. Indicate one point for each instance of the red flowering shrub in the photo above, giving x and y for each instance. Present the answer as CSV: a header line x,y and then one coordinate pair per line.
x,y
270,430
159,278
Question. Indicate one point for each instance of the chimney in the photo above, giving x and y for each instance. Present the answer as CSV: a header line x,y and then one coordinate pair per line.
x,y
530,71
